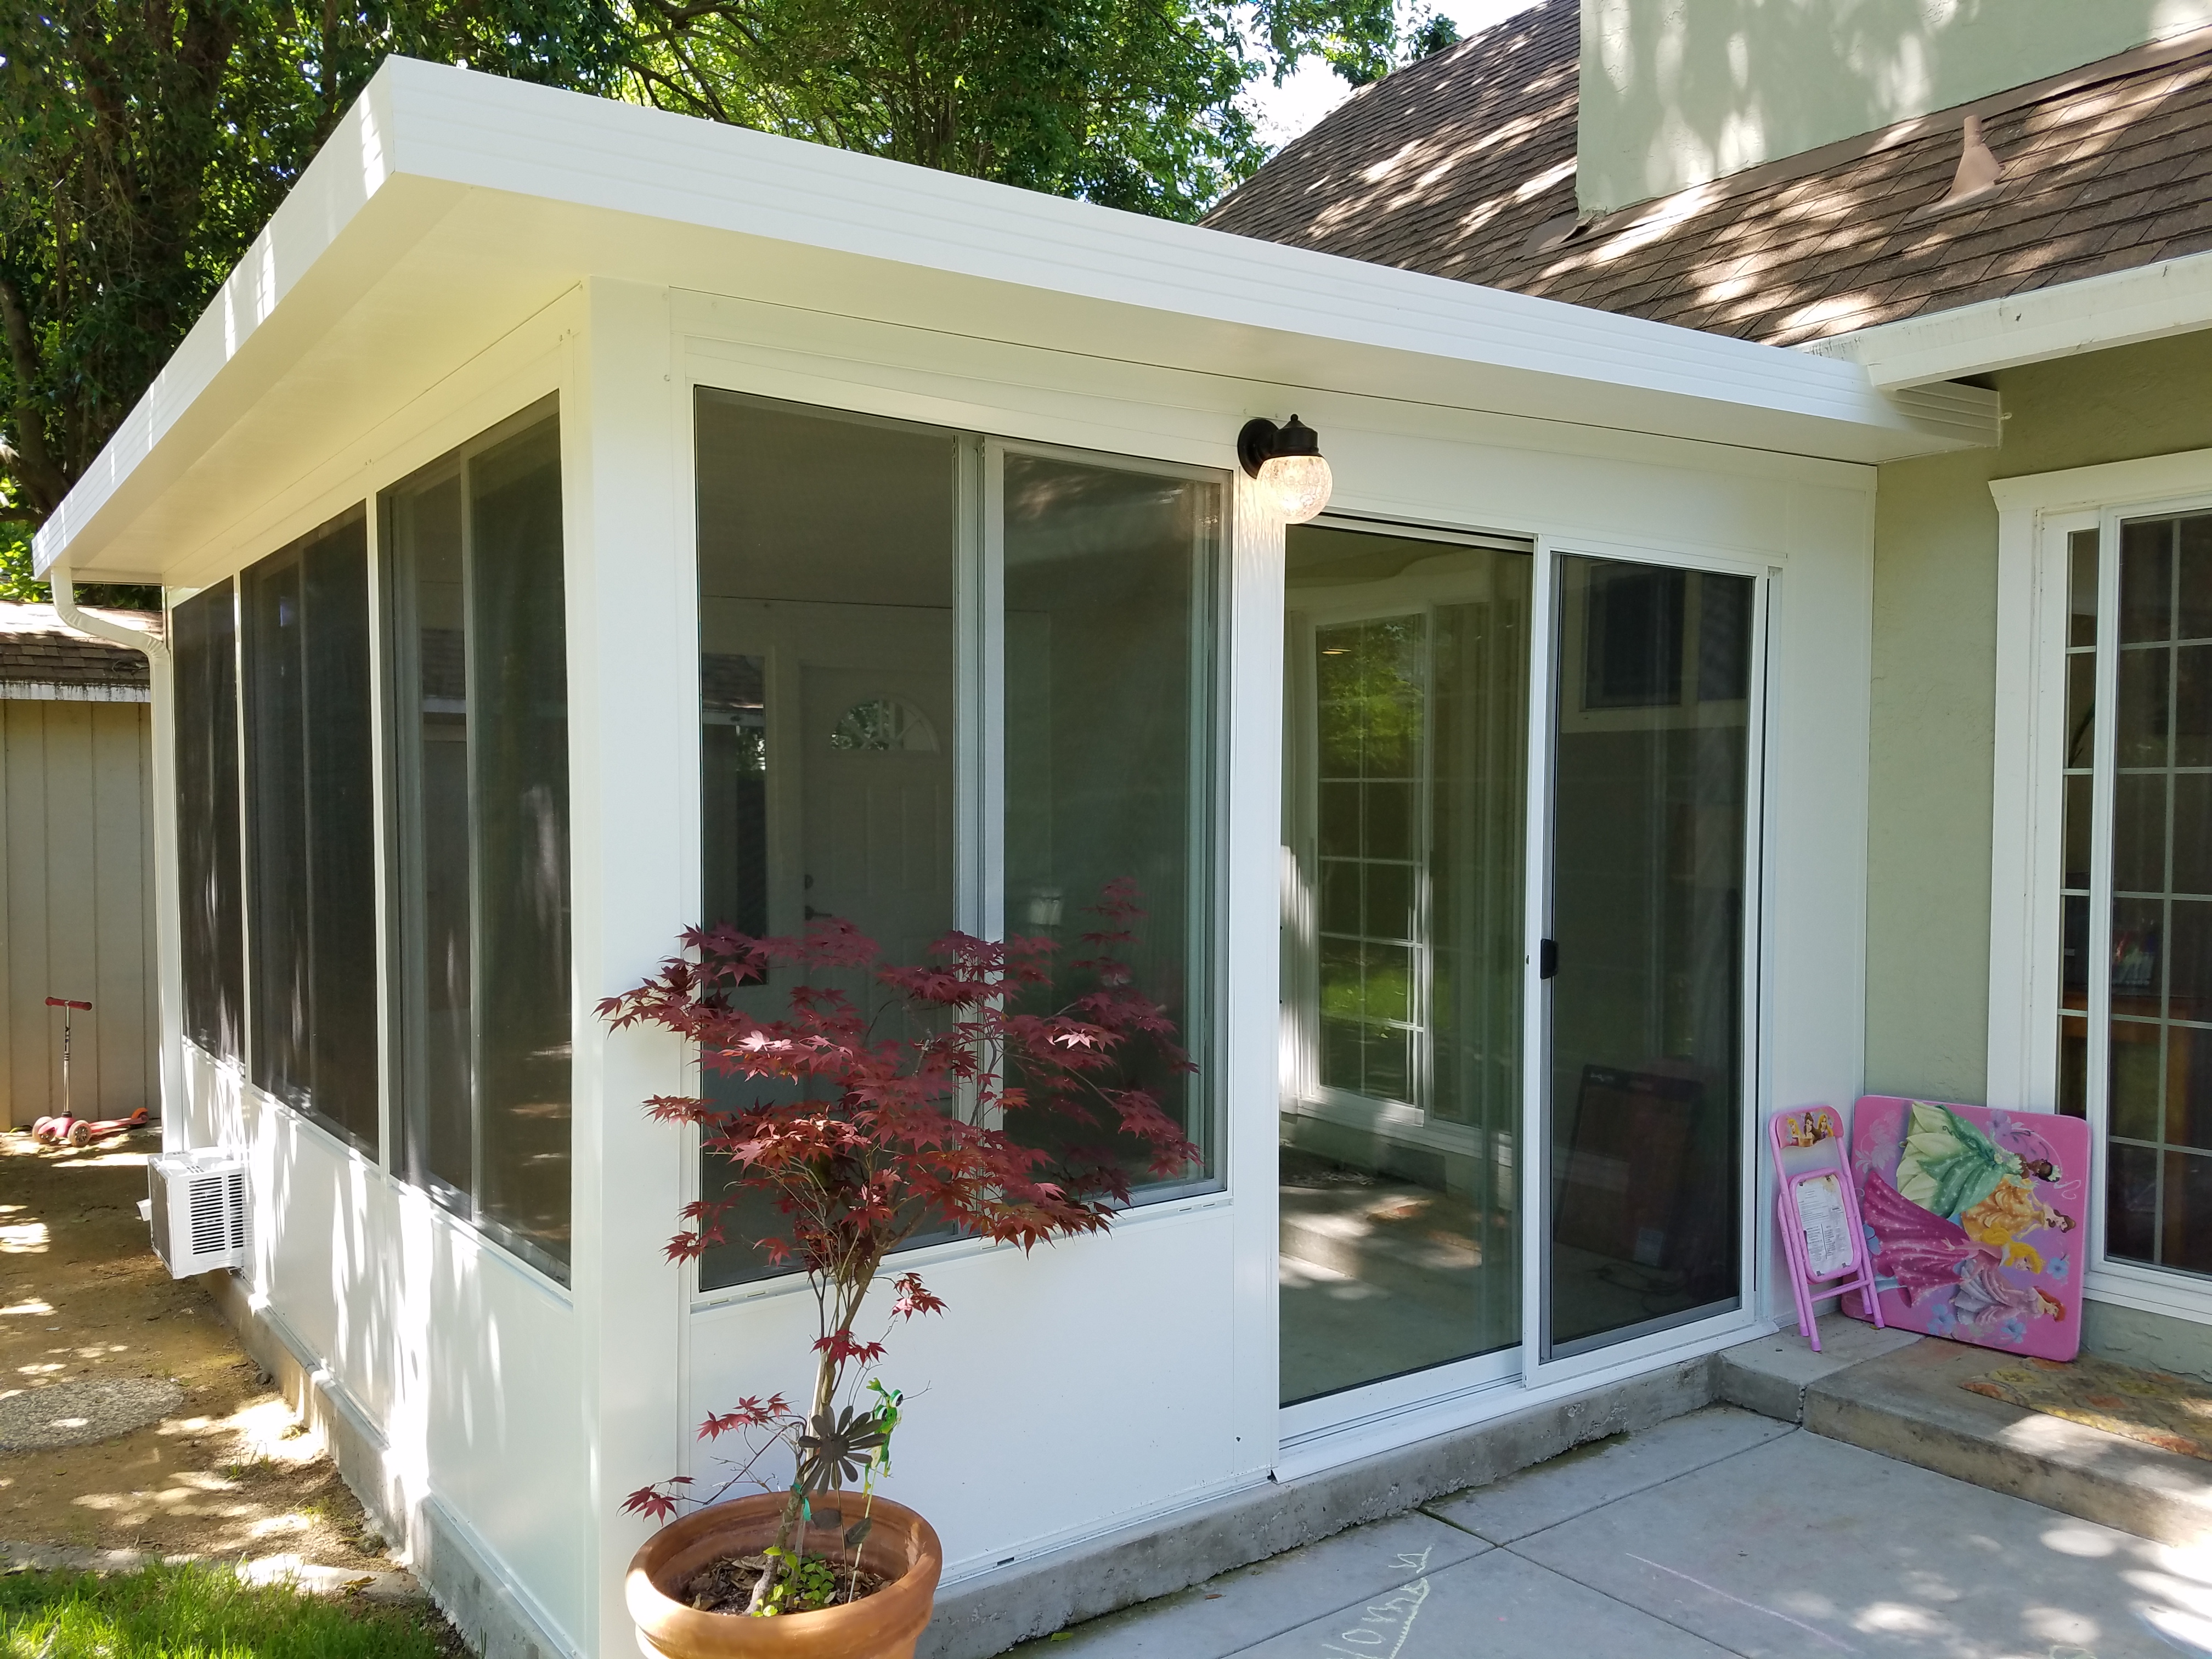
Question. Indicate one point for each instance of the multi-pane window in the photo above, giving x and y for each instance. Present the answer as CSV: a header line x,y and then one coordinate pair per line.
x,y
311,829
842,645
479,700
203,635
2139,747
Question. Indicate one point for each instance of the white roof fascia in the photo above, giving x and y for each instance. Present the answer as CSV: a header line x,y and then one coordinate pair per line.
x,y
2117,308
645,195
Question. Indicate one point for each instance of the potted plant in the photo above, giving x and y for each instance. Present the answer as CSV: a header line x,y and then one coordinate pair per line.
x,y
897,1110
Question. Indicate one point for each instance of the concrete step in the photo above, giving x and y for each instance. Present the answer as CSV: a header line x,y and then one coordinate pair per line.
x,y
1899,1395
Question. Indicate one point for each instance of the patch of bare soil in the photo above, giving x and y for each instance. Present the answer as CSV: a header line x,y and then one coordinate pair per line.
x,y
726,1585
83,1298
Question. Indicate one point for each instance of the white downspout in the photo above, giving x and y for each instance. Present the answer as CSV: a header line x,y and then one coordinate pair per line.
x,y
168,947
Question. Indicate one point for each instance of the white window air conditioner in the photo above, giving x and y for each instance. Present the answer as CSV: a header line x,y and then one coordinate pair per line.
x,y
197,1203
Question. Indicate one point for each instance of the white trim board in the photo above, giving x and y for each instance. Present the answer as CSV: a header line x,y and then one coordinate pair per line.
x,y
446,205
2096,313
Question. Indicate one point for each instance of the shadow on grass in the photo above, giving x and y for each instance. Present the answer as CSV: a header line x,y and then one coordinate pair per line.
x,y
196,1610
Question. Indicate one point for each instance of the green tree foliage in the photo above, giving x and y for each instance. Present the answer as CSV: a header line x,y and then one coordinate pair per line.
x,y
1134,103
143,144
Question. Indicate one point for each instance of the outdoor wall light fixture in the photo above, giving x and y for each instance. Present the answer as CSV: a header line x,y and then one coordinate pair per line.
x,y
1287,461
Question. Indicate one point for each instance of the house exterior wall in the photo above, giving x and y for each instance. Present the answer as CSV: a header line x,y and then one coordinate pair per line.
x,y
76,907
1934,724
1676,93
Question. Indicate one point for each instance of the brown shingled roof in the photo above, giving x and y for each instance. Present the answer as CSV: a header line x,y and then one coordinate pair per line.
x,y
1462,164
36,648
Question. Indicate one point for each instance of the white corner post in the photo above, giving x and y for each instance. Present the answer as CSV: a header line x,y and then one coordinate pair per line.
x,y
1248,952
633,712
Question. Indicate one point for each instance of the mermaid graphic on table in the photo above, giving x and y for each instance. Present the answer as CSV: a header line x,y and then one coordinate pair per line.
x,y
1956,1214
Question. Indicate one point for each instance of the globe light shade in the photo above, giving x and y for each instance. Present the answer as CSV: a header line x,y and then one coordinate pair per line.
x,y
1286,461
1299,484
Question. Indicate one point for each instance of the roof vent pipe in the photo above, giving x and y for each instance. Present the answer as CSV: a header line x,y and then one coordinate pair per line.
x,y
1980,170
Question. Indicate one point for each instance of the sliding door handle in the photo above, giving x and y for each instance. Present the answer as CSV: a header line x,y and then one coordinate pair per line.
x,y
1547,958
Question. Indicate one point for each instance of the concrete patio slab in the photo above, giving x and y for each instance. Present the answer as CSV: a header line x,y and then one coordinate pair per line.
x,y
1604,1472
1909,1405
1496,1607
1228,1614
1804,1546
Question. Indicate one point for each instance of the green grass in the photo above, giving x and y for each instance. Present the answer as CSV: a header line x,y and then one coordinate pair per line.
x,y
197,1610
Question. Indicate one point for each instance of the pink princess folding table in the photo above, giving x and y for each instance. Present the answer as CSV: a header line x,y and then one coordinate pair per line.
x,y
1822,1235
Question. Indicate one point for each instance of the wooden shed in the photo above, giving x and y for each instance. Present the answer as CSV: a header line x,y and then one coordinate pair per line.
x,y
76,847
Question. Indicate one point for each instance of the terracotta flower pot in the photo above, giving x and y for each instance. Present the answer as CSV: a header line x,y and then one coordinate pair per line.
x,y
901,1546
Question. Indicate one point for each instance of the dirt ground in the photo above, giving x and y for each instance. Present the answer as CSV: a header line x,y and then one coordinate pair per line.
x,y
83,1296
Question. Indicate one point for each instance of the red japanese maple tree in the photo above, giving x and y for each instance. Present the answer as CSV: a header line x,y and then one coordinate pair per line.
x,y
864,1136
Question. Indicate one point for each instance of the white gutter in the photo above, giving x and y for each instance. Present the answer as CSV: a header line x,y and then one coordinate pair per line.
x,y
2121,307
63,582
168,940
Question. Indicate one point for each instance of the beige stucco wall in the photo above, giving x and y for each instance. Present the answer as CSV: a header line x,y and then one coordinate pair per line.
x,y
1678,92
1935,664
1933,705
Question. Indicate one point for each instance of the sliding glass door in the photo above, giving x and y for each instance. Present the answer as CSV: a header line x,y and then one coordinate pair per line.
x,y
1644,960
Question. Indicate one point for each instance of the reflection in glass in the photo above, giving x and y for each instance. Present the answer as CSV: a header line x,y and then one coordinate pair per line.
x,y
1110,581
827,549
1405,758
1646,1087
209,868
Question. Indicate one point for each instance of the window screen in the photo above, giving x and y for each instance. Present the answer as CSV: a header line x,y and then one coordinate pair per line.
x,y
205,635
311,829
479,673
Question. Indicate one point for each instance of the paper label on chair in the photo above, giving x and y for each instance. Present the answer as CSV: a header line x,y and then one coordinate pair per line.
x,y
1827,1235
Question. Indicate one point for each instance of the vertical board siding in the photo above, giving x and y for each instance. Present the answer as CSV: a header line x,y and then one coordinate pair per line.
x,y
76,848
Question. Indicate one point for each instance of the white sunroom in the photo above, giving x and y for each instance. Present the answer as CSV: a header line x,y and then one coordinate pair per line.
x,y
580,522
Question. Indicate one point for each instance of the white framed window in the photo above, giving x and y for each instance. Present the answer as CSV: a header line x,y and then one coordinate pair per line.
x,y
2101,985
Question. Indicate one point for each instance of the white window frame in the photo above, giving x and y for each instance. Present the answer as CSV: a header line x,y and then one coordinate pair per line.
x,y
2036,515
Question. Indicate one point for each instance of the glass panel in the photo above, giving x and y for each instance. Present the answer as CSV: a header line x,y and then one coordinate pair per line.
x,y
2192,832
2073,953
2144,720
310,851
1647,1016
2187,1232
2138,833
827,553
2074,1067
208,852
431,655
1109,582
2082,588
518,769
2131,1203
2189,1086
2075,874
2146,581
2159,1078
2081,709
479,655
1407,735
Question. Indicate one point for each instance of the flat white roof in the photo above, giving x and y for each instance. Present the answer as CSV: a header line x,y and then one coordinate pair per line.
x,y
448,205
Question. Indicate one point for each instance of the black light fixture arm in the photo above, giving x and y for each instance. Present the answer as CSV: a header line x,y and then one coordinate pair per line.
x,y
1261,440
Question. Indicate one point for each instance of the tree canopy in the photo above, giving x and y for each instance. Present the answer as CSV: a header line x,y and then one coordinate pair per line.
x,y
144,143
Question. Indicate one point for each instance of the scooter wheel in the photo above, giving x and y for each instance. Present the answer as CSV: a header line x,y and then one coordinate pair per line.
x,y
80,1133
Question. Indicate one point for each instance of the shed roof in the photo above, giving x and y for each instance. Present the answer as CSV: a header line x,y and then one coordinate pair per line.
x,y
41,656
1462,164
447,206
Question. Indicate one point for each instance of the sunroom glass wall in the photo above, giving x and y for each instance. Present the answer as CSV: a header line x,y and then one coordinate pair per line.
x,y
480,695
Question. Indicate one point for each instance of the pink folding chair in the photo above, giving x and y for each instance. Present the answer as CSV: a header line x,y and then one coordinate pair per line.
x,y
1818,1206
